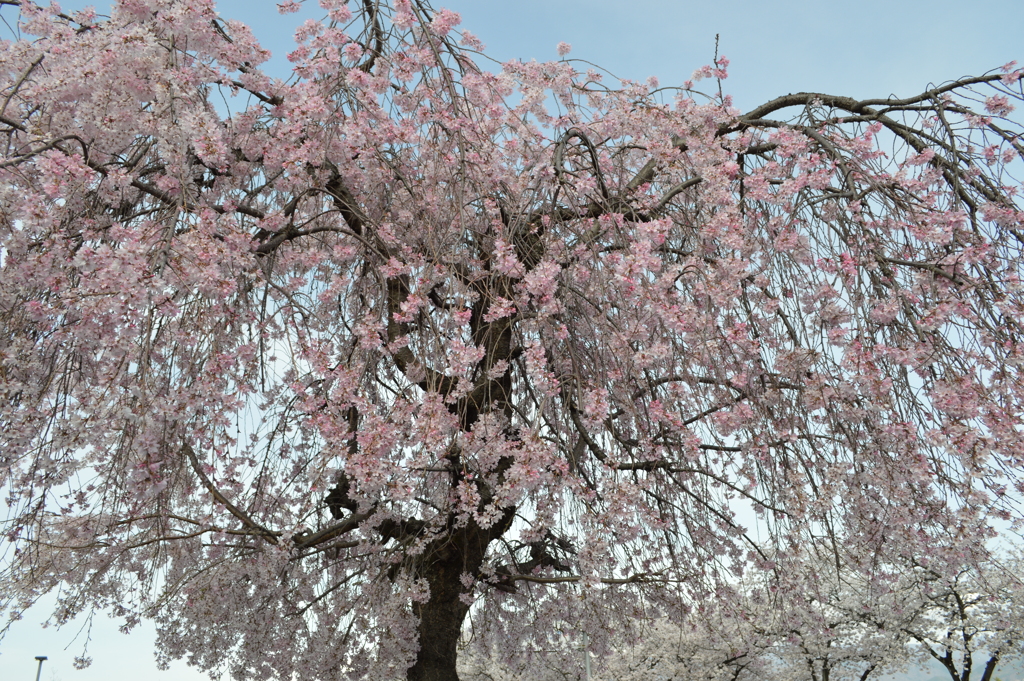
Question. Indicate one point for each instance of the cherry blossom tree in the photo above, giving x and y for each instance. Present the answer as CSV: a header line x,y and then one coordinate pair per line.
x,y
720,644
833,626
810,626
966,616
819,625
666,652
323,374
969,620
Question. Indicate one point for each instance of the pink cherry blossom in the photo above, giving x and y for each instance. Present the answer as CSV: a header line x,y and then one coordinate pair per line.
x,y
399,350
998,105
444,21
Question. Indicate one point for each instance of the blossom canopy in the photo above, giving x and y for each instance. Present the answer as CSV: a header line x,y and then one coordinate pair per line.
x,y
323,374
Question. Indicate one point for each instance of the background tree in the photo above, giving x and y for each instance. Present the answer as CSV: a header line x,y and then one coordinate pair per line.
x,y
969,620
855,624
705,648
807,625
825,632
814,625
719,643
402,343
831,627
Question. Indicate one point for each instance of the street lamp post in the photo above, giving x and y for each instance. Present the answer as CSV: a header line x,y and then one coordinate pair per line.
x,y
39,670
586,655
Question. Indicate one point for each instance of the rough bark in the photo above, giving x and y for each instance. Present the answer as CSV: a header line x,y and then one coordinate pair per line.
x,y
441,617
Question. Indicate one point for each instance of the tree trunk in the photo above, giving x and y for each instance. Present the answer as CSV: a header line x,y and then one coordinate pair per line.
x,y
442,616
440,626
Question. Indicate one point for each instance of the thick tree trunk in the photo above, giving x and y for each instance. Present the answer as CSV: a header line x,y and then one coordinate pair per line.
x,y
442,616
440,626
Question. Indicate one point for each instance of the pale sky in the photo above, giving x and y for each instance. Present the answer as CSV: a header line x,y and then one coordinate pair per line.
x,y
868,48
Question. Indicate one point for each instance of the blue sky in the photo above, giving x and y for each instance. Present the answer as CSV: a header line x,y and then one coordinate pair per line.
x,y
871,48
868,48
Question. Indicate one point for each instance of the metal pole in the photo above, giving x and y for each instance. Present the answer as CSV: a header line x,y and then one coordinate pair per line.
x,y
586,654
40,669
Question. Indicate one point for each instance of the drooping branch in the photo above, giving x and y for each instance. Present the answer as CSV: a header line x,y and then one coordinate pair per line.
x,y
853,105
271,537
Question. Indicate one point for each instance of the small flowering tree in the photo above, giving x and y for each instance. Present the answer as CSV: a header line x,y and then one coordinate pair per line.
x,y
819,624
707,647
970,621
322,374
807,625
716,644
833,627
853,624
